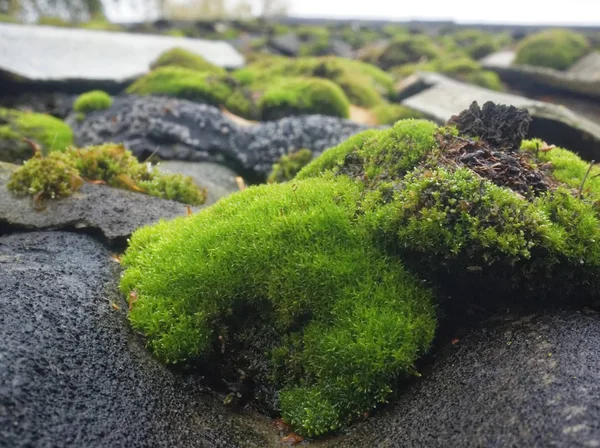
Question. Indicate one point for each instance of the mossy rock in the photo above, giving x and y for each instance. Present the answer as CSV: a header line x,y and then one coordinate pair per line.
x,y
48,132
486,78
61,173
387,113
179,57
315,288
557,49
303,96
289,165
407,49
205,87
91,101
476,43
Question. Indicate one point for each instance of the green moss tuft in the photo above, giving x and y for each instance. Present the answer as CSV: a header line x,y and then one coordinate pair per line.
x,y
43,178
299,96
387,113
289,165
558,49
61,173
179,57
100,24
184,83
352,318
45,130
91,101
485,78
407,49
54,21
5,18
476,43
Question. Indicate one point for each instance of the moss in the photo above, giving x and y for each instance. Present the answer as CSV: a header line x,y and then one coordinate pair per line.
x,y
175,33
100,24
49,132
407,49
91,101
5,18
349,320
53,21
485,78
179,57
558,49
184,83
476,43
299,96
289,165
61,173
391,113
43,178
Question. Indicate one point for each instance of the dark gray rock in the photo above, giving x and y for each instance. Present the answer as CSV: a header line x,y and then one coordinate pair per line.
x,y
112,212
529,381
73,374
287,44
219,179
53,103
183,130
44,53
340,48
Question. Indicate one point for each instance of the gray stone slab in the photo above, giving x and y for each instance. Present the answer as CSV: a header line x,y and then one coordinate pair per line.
x,y
439,97
42,53
517,381
74,374
112,212
582,78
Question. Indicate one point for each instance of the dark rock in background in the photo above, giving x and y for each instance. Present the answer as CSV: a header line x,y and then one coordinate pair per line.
x,y
514,381
288,44
53,103
183,130
73,374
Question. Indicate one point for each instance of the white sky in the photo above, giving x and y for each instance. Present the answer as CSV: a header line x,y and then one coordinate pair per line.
x,y
547,12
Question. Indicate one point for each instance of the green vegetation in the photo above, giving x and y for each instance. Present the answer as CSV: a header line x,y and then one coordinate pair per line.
x,y
179,57
175,33
61,173
407,49
184,83
91,101
558,49
477,44
54,21
48,132
289,165
5,18
387,113
318,280
298,96
100,24
485,78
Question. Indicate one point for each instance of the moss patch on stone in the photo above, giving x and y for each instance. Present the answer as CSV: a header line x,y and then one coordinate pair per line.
x,y
387,113
558,49
179,57
91,101
289,165
61,173
406,49
303,96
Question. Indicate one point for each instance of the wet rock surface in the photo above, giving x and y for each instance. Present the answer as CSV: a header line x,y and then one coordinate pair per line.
x,y
111,212
95,56
183,130
513,381
73,374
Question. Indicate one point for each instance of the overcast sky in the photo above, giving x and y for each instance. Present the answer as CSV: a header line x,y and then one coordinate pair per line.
x,y
567,12
502,11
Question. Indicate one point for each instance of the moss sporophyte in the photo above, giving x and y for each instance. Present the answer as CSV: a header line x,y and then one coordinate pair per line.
x,y
326,290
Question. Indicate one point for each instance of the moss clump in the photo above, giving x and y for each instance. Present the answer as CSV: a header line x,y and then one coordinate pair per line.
x,y
485,78
100,24
43,178
289,165
48,132
300,96
184,83
53,21
476,43
5,18
387,113
179,57
558,49
61,173
343,319
407,49
91,101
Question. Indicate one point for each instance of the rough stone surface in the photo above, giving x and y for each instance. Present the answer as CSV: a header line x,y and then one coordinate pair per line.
x,y
57,104
581,78
517,381
183,130
219,179
73,374
287,44
110,211
43,53
439,98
